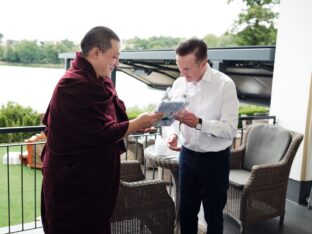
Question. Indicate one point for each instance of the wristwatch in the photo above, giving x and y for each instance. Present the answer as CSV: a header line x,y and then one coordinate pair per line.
x,y
199,125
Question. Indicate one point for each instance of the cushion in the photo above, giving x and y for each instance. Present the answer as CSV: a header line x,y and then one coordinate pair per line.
x,y
238,178
266,144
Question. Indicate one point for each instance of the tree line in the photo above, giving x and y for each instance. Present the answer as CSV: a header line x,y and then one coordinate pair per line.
x,y
34,52
255,26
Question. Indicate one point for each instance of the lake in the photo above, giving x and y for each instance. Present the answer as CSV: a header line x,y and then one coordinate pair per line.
x,y
33,87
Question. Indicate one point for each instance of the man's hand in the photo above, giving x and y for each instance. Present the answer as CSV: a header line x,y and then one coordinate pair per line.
x,y
187,118
173,142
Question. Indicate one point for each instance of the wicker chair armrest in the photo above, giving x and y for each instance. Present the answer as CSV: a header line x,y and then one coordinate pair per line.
x,y
268,176
131,171
144,185
137,198
236,158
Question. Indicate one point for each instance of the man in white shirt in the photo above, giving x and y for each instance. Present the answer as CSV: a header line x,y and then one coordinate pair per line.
x,y
205,130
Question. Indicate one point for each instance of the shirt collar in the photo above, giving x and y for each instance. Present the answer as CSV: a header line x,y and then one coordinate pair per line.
x,y
207,75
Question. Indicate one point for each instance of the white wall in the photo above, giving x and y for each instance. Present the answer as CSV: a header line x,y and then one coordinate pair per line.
x,y
292,76
308,136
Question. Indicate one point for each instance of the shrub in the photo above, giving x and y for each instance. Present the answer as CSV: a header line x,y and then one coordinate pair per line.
x,y
244,109
251,109
134,111
15,115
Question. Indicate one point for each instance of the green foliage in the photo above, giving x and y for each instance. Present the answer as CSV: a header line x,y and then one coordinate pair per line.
x,y
212,40
244,109
224,40
10,54
14,115
171,43
27,52
50,50
34,52
259,35
256,24
134,111
151,43
1,52
252,109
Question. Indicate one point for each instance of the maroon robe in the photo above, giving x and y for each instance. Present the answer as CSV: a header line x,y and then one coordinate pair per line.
x,y
85,122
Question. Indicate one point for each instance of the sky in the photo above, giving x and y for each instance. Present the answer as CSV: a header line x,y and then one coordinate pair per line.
x,y
55,20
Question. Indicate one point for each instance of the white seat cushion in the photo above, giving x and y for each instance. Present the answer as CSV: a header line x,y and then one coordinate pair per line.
x,y
239,178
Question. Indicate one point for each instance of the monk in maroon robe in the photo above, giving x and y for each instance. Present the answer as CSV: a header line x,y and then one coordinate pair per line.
x,y
85,124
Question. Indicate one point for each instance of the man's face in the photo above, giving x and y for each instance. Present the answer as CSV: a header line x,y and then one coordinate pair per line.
x,y
189,68
109,60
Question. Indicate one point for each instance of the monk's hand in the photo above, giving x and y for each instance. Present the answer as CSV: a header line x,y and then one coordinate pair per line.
x,y
147,120
172,142
186,118
148,130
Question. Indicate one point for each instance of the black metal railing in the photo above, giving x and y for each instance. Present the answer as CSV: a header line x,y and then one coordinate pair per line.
x,y
135,150
12,212
135,144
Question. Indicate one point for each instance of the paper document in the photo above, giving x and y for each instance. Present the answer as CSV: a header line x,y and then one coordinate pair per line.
x,y
169,108
172,103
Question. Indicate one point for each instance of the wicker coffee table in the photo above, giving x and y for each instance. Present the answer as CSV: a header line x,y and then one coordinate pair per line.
x,y
171,162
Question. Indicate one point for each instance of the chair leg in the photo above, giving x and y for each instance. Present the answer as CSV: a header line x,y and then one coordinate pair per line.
x,y
310,200
177,228
242,229
281,222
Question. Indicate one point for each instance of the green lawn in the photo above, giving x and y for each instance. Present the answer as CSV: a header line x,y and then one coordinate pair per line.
x,y
17,184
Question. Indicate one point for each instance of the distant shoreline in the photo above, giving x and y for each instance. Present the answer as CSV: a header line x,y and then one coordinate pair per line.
x,y
30,86
2,63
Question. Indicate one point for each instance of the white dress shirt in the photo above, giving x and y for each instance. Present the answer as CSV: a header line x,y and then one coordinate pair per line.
x,y
214,100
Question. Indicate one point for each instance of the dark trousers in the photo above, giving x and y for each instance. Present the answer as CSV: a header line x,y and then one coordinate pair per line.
x,y
204,177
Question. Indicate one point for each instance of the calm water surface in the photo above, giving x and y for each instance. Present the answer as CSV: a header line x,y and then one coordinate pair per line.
x,y
34,87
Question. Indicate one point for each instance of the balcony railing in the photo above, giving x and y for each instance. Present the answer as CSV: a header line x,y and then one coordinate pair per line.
x,y
18,181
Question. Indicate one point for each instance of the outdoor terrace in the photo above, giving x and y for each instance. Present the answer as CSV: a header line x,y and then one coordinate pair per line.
x,y
297,219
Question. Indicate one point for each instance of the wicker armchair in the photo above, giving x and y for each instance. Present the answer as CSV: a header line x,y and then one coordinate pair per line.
x,y
32,158
143,206
259,174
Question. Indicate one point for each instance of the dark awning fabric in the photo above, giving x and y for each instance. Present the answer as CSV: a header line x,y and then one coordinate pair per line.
x,y
251,68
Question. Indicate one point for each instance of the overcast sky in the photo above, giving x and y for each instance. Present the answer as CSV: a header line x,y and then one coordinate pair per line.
x,y
45,20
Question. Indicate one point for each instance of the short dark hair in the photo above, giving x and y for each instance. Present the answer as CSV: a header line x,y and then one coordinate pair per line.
x,y
193,45
100,37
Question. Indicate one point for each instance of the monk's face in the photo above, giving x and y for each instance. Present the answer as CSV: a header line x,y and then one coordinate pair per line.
x,y
108,60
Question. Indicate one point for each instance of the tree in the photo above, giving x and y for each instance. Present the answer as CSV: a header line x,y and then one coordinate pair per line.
x,y
1,52
1,48
212,40
51,49
28,51
9,52
151,43
227,39
224,40
256,24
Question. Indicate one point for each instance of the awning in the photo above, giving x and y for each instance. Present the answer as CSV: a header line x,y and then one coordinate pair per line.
x,y
251,68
